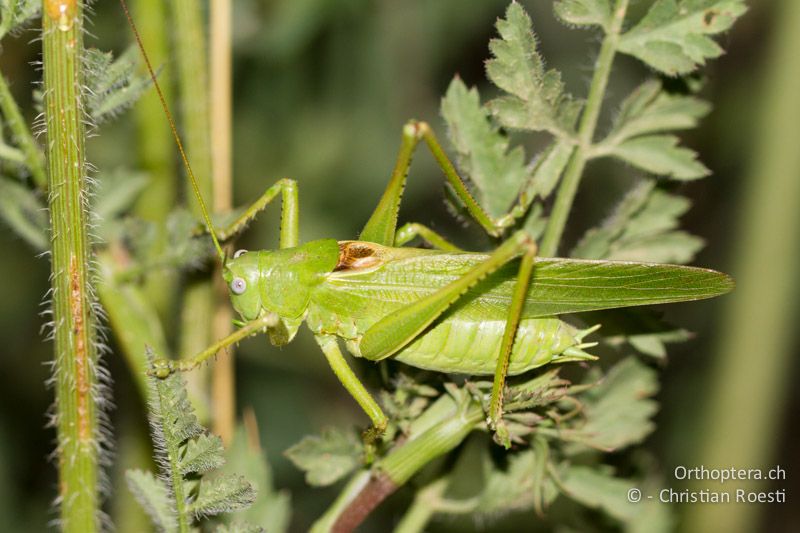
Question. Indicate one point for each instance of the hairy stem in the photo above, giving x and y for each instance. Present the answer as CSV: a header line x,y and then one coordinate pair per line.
x,y
34,158
74,321
586,129
198,305
171,447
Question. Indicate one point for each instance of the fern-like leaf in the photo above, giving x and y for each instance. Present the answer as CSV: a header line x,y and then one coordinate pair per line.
x,y
326,458
222,495
674,36
619,411
201,455
584,12
113,85
643,227
536,99
14,14
661,155
483,152
154,497
650,109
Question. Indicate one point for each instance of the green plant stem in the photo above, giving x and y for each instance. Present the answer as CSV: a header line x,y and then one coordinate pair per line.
x,y
586,130
223,389
74,321
446,424
171,447
156,154
421,510
198,305
34,158
751,379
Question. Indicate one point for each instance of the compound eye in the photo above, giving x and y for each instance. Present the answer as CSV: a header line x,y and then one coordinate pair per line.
x,y
238,286
239,253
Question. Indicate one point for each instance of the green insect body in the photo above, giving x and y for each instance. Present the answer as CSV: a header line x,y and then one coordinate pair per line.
x,y
311,282
457,312
343,288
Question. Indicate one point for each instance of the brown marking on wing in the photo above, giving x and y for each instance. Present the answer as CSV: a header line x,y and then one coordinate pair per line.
x,y
355,255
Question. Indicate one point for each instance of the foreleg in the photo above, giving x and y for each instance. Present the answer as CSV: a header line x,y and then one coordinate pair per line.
x,y
290,215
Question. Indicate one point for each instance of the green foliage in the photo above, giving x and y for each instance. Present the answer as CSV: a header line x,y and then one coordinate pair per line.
x,y
536,99
584,12
637,134
557,427
154,497
619,410
271,507
187,454
16,13
650,109
674,36
660,154
559,430
642,228
327,458
24,212
113,85
483,153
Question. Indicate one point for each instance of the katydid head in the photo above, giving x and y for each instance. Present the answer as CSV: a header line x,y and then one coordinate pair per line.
x,y
241,274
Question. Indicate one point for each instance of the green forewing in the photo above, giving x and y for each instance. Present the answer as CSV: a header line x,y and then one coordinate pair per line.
x,y
559,285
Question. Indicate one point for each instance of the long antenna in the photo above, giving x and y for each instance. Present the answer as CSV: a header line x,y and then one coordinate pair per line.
x,y
177,137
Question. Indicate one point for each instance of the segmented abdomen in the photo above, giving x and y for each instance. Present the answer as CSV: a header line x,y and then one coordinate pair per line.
x,y
472,347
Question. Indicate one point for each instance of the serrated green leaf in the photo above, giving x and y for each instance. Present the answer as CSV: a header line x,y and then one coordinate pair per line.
x,y
642,228
673,36
618,410
536,100
519,487
483,152
652,344
597,242
661,155
184,250
326,458
671,247
172,411
584,12
643,329
113,85
154,497
15,13
597,489
222,495
201,455
649,109
24,213
271,506
544,178
550,167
